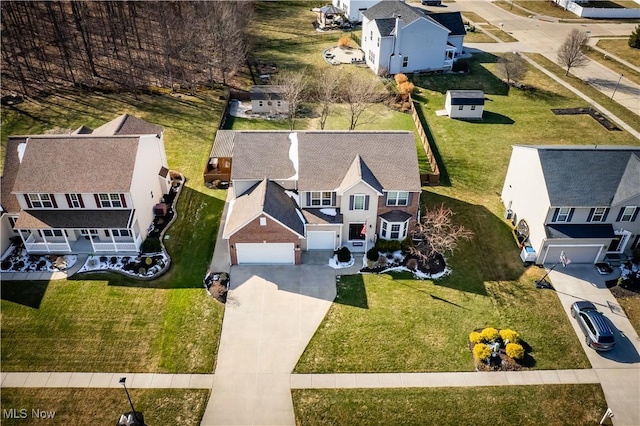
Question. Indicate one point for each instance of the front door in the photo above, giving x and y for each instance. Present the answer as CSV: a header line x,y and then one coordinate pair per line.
x,y
355,231
619,242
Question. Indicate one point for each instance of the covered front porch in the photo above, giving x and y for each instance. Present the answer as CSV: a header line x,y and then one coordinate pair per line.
x,y
88,242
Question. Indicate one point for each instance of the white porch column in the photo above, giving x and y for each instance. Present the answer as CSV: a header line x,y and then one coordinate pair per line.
x,y
113,240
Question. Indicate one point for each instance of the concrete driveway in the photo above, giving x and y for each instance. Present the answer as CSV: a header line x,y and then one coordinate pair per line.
x,y
618,370
271,314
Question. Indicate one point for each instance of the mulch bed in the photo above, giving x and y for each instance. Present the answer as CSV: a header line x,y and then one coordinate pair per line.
x,y
604,121
217,285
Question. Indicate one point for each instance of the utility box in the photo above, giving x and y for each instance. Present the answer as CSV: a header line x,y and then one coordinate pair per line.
x,y
528,254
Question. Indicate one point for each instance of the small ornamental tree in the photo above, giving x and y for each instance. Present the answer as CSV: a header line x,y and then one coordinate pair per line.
x,y
570,52
343,41
634,38
405,89
437,234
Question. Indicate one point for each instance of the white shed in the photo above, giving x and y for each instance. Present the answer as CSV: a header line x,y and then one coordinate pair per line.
x,y
465,104
268,100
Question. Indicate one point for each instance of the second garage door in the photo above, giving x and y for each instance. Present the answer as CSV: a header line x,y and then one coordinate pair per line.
x,y
265,253
581,254
321,240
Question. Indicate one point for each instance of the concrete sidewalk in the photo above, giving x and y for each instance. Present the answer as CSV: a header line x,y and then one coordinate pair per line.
x,y
106,380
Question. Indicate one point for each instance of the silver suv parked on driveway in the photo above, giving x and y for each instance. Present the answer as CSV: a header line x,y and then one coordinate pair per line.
x,y
594,325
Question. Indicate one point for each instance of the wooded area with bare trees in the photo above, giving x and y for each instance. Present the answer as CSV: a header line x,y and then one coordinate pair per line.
x,y
122,44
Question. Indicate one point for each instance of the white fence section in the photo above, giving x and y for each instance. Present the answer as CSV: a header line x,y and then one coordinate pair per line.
x,y
32,246
599,12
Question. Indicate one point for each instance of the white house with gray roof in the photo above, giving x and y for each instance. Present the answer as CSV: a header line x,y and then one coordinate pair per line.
x,y
98,193
583,200
353,9
398,38
311,190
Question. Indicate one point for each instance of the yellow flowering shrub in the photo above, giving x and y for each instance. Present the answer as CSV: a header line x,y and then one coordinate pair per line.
x,y
509,336
515,350
475,337
481,352
490,334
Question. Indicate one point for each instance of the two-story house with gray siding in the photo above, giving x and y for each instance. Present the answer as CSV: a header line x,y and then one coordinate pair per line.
x,y
583,200
319,191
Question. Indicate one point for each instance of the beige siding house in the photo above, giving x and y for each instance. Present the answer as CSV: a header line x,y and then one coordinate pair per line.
x,y
319,191
96,197
580,200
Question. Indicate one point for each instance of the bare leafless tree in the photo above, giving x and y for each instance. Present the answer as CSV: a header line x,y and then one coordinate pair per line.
x,y
437,234
512,67
293,85
361,91
325,92
570,53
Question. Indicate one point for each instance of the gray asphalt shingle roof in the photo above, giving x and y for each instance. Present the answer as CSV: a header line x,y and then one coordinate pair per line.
x,y
588,176
385,12
391,9
223,144
128,125
266,92
466,97
264,197
450,20
258,154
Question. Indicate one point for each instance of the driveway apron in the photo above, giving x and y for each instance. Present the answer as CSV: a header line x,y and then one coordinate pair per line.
x,y
271,314
619,369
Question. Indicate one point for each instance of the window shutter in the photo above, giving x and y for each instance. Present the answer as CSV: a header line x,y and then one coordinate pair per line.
x,y
308,198
26,198
555,215
620,214
350,202
570,215
606,213
53,201
81,201
590,215
68,200
635,215
333,198
366,202
98,205
123,200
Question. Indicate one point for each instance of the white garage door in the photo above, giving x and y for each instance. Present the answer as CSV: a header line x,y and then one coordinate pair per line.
x,y
265,253
580,254
321,240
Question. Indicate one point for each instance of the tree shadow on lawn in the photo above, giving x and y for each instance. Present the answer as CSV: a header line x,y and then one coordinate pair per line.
x,y
27,293
190,245
491,255
351,291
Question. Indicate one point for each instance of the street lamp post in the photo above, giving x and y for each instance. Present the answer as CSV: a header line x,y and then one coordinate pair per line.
x,y
617,84
135,415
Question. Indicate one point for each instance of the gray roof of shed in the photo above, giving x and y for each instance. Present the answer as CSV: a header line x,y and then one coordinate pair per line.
x,y
223,144
590,176
466,97
266,92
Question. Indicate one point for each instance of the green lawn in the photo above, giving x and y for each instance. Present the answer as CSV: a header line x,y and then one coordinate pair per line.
x,y
475,155
621,48
508,405
79,407
166,325
613,64
393,323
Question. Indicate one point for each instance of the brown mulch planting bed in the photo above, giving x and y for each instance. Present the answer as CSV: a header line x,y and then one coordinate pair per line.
x,y
604,121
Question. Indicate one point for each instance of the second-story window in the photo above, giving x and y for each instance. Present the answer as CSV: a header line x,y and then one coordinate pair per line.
x,y
110,200
41,201
598,214
358,202
563,214
397,198
627,214
321,198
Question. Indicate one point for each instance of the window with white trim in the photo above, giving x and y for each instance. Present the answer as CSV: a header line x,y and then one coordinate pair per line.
x,y
323,198
563,214
51,232
358,202
41,201
110,200
397,198
405,61
460,108
627,213
86,232
378,42
120,232
260,103
598,214
473,107
372,56
394,230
